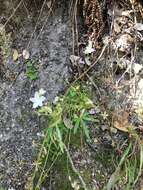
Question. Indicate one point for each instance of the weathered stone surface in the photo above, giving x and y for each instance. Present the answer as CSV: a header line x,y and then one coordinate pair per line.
x,y
19,125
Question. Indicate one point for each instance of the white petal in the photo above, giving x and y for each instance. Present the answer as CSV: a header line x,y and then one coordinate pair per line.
x,y
42,91
42,98
35,105
32,99
36,96
40,104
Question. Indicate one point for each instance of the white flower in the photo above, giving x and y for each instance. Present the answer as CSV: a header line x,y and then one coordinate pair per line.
x,y
38,98
89,48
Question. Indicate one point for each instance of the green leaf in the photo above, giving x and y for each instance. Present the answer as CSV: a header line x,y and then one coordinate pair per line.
x,y
45,110
59,135
29,64
85,130
77,125
32,75
58,132
31,71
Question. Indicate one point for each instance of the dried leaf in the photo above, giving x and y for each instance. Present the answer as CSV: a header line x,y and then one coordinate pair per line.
x,y
25,54
87,61
67,122
127,13
89,49
106,40
124,42
117,28
2,29
49,3
137,68
139,26
74,59
121,123
118,125
15,55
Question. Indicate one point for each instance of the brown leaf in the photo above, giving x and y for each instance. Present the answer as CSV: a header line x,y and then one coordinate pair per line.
x,y
67,122
120,121
117,28
118,125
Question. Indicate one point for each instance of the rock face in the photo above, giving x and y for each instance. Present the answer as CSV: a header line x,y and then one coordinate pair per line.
x,y
20,127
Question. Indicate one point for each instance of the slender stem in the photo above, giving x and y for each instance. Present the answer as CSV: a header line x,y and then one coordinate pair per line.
x,y
74,169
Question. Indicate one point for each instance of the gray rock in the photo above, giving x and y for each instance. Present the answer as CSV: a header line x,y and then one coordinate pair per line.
x,y
19,124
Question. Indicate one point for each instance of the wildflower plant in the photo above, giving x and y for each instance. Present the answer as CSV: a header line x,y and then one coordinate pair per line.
x,y
68,115
31,70
38,98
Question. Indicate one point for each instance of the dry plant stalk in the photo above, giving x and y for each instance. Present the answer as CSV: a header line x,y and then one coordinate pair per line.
x,y
93,19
